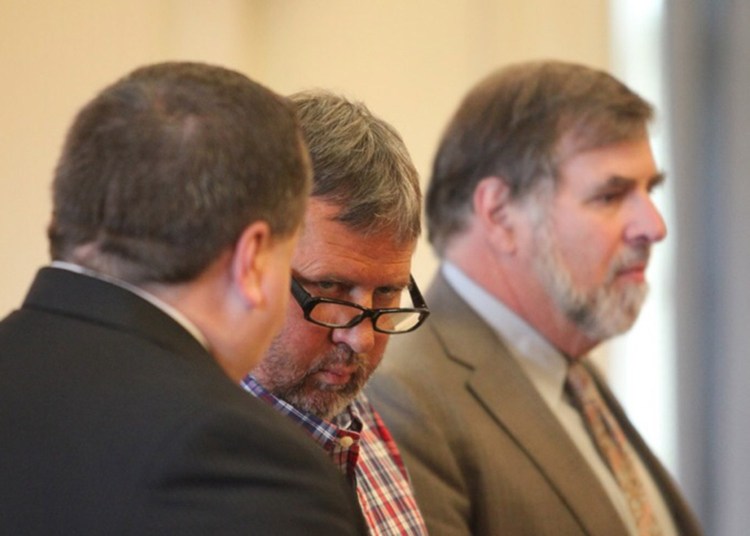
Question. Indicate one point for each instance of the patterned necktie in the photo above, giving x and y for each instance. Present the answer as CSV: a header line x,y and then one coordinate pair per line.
x,y
610,441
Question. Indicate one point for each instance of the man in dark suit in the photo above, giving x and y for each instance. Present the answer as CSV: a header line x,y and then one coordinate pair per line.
x,y
540,208
177,203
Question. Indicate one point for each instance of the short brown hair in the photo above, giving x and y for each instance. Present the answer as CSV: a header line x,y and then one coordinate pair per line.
x,y
164,169
510,126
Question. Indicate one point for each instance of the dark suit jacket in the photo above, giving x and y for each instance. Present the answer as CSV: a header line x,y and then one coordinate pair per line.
x,y
486,455
115,420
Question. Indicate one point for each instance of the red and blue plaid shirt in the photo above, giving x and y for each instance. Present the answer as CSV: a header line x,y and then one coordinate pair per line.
x,y
362,447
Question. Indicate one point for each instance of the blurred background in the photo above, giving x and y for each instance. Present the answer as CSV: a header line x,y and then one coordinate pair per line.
x,y
682,372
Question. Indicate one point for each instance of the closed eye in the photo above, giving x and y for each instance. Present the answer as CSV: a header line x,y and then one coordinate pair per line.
x,y
613,191
610,197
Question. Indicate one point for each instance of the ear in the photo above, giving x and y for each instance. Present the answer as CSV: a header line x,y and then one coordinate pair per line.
x,y
494,212
251,261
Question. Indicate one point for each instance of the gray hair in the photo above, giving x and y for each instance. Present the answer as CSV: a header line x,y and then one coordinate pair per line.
x,y
360,163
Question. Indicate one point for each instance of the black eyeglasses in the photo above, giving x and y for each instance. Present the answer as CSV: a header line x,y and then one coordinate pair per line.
x,y
333,313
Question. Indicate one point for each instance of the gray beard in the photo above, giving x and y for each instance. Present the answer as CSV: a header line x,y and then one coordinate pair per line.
x,y
601,313
279,375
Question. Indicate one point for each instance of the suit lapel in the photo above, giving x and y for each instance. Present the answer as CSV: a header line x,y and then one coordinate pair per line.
x,y
501,387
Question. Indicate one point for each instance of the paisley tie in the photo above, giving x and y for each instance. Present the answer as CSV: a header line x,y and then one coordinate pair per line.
x,y
610,441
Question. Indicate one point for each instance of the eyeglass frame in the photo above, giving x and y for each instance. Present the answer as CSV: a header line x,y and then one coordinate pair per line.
x,y
308,302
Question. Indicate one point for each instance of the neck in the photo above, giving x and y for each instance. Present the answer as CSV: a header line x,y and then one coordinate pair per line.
x,y
522,293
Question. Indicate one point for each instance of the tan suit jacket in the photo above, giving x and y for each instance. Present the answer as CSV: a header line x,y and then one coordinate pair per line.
x,y
486,455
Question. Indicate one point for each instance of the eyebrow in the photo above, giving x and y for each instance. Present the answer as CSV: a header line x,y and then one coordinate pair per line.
x,y
618,181
657,180
349,283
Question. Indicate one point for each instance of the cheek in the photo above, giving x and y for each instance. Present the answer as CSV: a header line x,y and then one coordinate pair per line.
x,y
301,339
594,265
376,355
280,313
587,249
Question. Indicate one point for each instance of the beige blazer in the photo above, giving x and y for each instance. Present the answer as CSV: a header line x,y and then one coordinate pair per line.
x,y
486,455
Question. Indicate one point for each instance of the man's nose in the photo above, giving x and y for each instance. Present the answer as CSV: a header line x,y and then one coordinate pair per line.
x,y
648,224
360,338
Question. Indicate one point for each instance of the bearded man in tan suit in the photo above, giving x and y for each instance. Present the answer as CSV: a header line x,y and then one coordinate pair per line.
x,y
540,209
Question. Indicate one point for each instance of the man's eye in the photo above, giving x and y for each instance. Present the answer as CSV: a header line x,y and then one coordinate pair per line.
x,y
610,197
388,292
387,297
329,289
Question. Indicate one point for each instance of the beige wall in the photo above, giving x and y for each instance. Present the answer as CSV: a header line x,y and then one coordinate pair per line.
x,y
409,60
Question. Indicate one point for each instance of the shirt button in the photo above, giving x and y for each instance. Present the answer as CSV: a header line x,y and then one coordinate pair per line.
x,y
346,442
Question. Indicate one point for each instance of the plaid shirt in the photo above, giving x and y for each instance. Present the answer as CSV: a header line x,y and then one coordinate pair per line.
x,y
362,447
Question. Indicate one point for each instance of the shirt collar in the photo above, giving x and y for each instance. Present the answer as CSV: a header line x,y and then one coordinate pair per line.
x,y
544,365
327,433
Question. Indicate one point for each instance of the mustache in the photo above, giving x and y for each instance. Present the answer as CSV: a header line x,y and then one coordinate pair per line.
x,y
341,356
635,256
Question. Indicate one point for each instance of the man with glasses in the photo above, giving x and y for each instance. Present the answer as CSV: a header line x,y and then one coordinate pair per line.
x,y
352,289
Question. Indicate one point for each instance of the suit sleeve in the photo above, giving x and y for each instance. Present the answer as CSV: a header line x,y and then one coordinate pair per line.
x,y
221,474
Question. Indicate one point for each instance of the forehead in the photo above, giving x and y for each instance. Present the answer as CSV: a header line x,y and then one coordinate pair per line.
x,y
328,248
